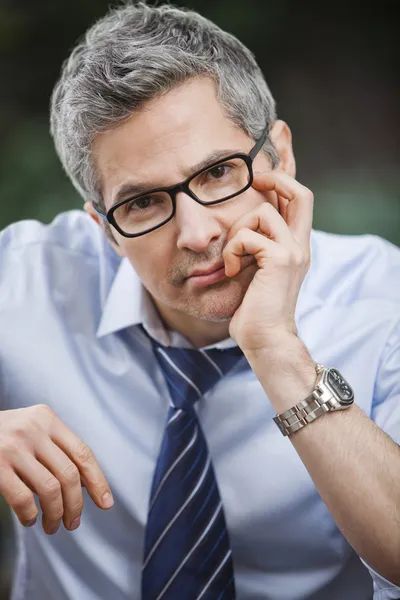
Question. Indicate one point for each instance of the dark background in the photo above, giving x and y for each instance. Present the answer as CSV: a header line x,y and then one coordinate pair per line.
x,y
332,66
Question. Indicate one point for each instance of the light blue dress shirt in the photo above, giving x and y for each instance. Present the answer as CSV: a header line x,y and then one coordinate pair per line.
x,y
69,307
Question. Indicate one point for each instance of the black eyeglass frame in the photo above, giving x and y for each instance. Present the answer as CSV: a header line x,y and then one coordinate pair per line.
x,y
183,186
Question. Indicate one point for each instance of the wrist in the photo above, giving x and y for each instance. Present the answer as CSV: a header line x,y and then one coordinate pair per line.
x,y
270,341
285,370
279,347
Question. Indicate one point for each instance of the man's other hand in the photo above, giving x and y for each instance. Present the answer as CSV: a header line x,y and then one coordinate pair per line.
x,y
40,455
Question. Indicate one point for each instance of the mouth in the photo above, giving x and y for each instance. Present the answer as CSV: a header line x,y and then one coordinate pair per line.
x,y
215,273
207,276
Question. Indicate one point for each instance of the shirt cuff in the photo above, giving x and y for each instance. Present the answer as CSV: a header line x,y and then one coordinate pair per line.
x,y
383,588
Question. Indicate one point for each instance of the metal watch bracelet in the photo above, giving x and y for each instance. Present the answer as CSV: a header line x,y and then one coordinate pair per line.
x,y
306,411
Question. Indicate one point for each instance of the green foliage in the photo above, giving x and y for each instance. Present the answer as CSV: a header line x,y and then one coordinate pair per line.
x,y
358,202
32,183
329,93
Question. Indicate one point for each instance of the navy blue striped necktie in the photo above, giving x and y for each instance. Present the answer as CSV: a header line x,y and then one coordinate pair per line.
x,y
187,550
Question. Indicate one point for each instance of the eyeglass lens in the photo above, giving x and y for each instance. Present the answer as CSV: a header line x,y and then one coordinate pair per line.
x,y
216,183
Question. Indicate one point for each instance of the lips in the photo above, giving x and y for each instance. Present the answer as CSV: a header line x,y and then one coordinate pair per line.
x,y
208,271
215,273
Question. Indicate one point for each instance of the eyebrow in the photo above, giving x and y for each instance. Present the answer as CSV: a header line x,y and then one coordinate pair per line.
x,y
129,189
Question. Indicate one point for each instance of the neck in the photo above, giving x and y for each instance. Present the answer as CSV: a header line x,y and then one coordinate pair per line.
x,y
198,332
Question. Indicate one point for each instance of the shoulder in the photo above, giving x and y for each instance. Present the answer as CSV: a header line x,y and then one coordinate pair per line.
x,y
350,268
70,252
72,231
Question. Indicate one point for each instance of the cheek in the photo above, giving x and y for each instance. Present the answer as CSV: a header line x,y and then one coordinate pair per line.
x,y
247,202
151,262
258,198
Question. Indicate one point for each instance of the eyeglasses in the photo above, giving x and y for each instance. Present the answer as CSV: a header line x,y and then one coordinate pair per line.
x,y
213,184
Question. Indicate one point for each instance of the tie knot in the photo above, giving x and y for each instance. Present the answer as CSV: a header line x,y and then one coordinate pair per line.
x,y
191,373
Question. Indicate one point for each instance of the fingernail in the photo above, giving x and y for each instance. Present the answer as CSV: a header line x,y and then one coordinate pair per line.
x,y
54,528
30,523
108,500
75,523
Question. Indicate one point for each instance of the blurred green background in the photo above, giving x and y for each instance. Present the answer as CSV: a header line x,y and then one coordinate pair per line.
x,y
333,68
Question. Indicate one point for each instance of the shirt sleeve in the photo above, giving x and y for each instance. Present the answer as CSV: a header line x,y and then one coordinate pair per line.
x,y
386,414
385,409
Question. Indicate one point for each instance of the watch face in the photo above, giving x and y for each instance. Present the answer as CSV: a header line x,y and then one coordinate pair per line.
x,y
340,387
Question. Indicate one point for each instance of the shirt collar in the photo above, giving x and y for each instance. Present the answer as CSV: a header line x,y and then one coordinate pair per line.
x,y
124,303
128,303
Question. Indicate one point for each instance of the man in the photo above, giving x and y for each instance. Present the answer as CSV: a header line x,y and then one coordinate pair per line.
x,y
151,365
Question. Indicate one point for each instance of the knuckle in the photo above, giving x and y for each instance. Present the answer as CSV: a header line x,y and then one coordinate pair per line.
x,y
309,195
20,436
8,447
22,501
298,258
42,407
40,416
71,475
284,258
264,207
84,454
41,410
76,509
12,438
51,488
243,234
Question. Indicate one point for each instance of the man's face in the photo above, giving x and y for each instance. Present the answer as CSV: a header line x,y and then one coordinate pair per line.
x,y
161,145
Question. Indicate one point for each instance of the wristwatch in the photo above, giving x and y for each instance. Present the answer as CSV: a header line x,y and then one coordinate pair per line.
x,y
331,392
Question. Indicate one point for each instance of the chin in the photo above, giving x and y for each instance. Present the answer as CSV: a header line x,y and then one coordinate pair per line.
x,y
218,303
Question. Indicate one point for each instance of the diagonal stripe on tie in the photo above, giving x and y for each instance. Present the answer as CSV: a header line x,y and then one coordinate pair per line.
x,y
187,551
172,467
178,372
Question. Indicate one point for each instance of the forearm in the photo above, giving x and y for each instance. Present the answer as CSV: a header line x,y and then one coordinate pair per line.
x,y
355,466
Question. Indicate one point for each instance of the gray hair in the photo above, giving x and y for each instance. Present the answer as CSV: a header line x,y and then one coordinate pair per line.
x,y
132,55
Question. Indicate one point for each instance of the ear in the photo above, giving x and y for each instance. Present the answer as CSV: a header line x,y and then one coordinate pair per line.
x,y
89,208
281,137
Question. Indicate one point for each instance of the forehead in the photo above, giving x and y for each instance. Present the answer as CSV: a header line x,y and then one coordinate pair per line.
x,y
159,143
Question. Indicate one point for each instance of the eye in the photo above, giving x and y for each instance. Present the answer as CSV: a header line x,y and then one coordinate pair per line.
x,y
143,202
218,171
140,203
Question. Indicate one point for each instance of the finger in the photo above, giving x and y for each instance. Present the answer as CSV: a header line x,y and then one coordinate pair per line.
x,y
283,203
247,241
299,210
270,195
18,496
67,473
46,486
81,455
266,220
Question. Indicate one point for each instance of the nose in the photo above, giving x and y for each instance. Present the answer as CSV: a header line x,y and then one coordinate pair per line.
x,y
197,224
